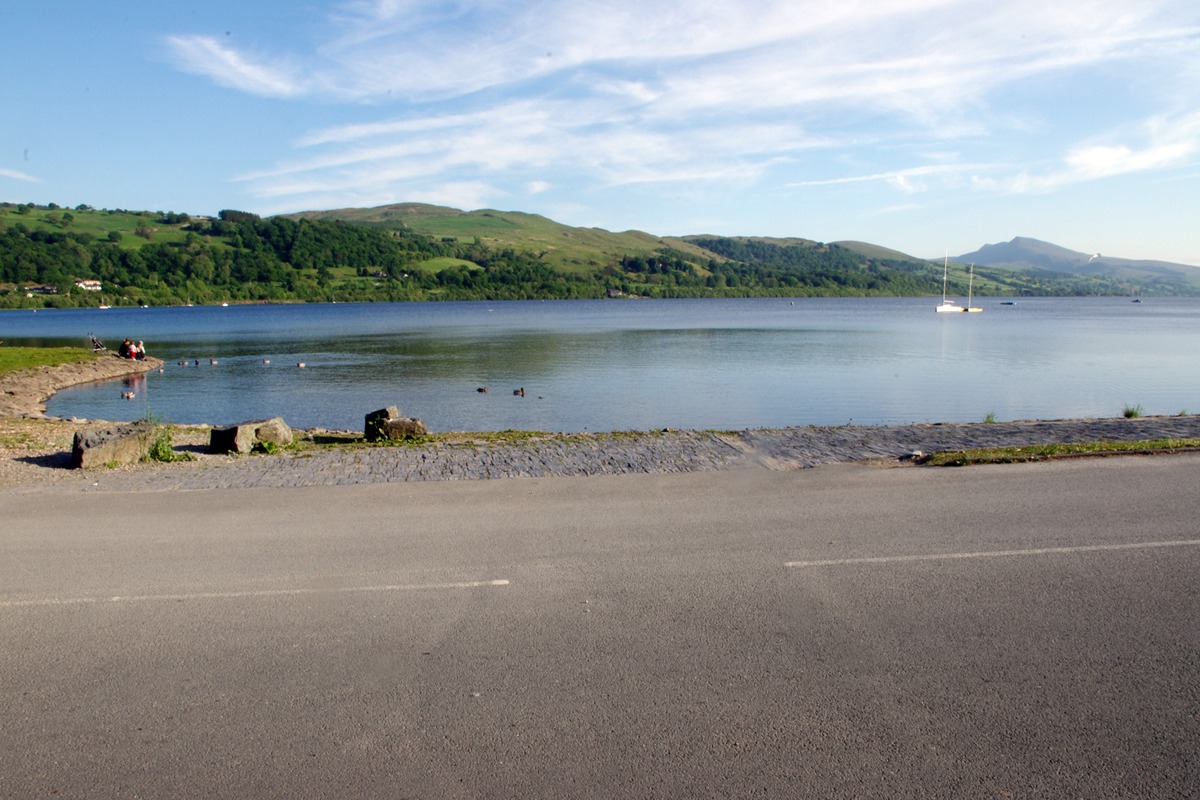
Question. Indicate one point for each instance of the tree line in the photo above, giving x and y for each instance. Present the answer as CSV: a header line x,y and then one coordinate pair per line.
x,y
240,257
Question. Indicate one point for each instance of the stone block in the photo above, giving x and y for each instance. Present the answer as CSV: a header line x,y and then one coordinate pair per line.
x,y
242,438
120,444
389,423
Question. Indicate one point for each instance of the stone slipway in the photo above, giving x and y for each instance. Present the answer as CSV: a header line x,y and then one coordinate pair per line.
x,y
616,454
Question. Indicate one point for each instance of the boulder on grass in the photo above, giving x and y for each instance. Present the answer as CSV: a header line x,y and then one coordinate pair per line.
x,y
120,444
389,423
242,438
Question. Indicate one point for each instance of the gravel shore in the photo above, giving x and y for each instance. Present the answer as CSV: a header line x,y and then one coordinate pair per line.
x,y
569,455
24,394
34,453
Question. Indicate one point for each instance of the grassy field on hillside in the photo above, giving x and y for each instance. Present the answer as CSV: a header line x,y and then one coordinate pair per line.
x,y
135,228
570,249
561,246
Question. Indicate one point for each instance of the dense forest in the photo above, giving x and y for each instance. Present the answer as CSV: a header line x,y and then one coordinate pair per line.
x,y
50,256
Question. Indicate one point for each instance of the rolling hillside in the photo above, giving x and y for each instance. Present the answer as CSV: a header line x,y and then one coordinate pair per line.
x,y
57,257
561,246
1024,253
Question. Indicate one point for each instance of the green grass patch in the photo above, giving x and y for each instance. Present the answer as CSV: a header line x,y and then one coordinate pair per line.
x,y
18,440
1044,452
13,359
439,263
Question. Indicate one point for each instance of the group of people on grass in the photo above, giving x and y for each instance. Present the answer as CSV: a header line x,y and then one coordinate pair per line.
x,y
130,350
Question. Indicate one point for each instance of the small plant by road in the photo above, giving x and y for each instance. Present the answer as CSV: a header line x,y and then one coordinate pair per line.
x,y
162,448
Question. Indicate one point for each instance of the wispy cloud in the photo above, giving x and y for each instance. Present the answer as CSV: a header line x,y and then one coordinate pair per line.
x,y
501,96
204,55
907,180
1165,143
17,175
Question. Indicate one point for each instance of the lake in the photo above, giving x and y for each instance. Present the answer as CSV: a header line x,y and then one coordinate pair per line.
x,y
640,364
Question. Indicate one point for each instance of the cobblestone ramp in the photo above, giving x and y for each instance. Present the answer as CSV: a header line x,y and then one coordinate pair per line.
x,y
666,452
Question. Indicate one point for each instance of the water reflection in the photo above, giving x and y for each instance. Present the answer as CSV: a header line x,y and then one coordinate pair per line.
x,y
645,364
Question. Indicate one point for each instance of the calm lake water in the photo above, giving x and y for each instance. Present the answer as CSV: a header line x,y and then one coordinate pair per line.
x,y
641,364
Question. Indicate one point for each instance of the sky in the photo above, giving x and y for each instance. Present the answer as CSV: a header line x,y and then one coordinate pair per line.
x,y
928,126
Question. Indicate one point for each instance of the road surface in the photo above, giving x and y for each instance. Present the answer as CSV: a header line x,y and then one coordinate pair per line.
x,y
1012,631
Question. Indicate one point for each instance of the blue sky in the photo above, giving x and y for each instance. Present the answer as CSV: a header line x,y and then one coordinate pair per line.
x,y
923,125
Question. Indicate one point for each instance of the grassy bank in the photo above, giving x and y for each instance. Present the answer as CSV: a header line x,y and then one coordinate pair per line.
x,y
1043,452
13,359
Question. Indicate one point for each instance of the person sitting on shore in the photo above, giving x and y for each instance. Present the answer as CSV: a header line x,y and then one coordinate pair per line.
x,y
126,349
140,353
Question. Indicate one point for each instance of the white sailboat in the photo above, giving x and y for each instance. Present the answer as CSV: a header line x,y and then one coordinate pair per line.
x,y
970,290
947,307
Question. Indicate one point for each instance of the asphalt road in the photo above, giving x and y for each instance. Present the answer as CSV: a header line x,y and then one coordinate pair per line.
x,y
1007,632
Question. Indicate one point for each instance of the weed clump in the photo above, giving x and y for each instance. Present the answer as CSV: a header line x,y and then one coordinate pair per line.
x,y
162,449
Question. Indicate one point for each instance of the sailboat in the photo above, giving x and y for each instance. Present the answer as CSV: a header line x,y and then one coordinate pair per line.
x,y
947,307
970,290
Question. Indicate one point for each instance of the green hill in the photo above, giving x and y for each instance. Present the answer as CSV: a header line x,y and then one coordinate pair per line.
x,y
877,252
561,246
51,256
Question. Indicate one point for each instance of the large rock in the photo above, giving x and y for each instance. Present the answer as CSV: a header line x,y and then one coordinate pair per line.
x,y
242,438
121,444
389,423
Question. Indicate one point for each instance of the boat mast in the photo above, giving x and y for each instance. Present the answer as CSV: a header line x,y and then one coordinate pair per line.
x,y
945,275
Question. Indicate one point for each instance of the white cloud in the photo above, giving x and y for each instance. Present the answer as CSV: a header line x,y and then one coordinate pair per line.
x,y
906,180
466,194
18,176
598,93
204,55
1169,143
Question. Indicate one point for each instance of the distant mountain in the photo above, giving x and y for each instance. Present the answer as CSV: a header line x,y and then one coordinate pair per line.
x,y
1022,266
1026,253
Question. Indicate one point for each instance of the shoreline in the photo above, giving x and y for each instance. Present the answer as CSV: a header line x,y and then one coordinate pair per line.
x,y
23,394
35,449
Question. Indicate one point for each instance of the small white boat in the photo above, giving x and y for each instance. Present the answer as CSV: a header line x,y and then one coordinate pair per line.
x,y
970,293
947,307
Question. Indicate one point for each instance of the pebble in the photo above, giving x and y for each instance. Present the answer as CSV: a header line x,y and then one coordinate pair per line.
x,y
622,454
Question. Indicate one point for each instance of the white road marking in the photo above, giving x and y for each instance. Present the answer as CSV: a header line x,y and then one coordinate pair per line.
x,y
139,598
1040,551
